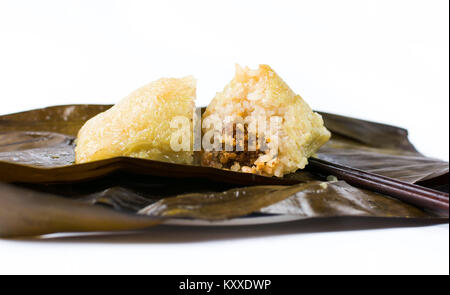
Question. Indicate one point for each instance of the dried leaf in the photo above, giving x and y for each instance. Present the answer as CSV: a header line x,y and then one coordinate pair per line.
x,y
38,139
341,199
36,149
25,212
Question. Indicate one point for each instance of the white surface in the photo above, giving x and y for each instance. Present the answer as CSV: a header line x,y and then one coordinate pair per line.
x,y
248,220
295,248
386,61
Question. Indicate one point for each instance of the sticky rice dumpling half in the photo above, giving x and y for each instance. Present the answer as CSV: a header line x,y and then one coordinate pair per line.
x,y
287,131
139,125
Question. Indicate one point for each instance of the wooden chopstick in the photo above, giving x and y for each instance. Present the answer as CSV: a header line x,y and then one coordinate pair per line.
x,y
419,196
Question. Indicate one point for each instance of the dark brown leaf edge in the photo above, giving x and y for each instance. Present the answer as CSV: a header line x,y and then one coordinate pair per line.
x,y
34,212
312,199
25,212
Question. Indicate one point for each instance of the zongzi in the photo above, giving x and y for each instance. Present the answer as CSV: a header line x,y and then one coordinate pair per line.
x,y
140,124
265,127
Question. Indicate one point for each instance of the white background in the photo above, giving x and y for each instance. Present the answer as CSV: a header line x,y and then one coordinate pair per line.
x,y
386,61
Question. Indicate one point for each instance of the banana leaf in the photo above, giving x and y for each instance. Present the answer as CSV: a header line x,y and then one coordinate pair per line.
x,y
379,149
32,211
38,146
48,193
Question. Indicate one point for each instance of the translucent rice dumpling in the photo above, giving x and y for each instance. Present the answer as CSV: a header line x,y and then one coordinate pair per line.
x,y
140,124
261,96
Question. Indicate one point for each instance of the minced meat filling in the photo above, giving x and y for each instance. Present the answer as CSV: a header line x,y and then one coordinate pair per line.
x,y
227,159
